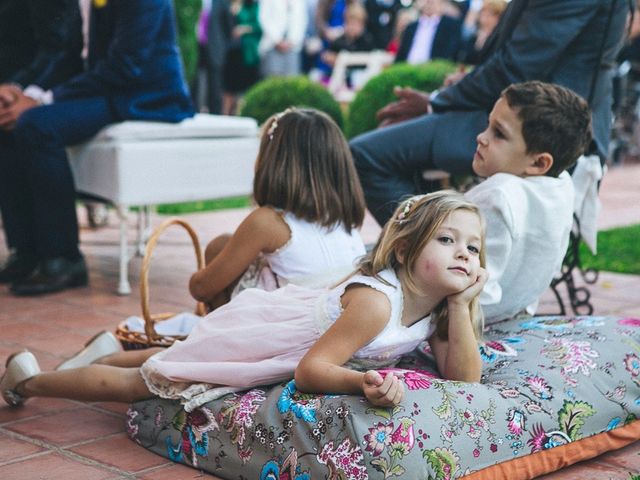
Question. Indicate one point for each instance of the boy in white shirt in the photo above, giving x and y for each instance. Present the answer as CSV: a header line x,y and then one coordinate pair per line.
x,y
536,130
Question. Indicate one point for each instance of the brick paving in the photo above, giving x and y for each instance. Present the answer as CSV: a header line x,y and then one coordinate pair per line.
x,y
60,439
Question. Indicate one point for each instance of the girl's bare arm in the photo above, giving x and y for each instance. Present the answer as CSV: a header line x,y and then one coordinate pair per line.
x,y
263,230
458,357
365,313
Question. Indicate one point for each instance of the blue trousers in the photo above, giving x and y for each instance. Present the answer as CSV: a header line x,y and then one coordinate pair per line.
x,y
37,193
390,160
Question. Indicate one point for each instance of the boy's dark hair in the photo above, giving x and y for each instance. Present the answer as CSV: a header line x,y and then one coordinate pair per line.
x,y
554,120
305,167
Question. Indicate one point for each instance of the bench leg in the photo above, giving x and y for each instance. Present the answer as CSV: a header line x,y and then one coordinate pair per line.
x,y
123,286
144,229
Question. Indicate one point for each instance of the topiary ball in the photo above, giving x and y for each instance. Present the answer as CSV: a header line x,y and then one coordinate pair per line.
x,y
378,91
275,94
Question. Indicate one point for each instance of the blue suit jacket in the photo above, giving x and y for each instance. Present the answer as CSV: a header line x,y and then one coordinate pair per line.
x,y
446,41
548,40
40,41
134,62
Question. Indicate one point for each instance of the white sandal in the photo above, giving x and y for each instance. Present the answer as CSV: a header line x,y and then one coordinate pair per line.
x,y
20,367
103,344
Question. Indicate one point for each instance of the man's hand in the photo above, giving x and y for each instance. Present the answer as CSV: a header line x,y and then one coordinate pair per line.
x,y
8,95
329,57
410,104
10,114
455,77
283,46
240,30
386,392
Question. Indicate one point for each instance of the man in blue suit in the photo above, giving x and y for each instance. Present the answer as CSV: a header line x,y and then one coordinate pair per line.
x,y
40,42
570,42
432,36
133,72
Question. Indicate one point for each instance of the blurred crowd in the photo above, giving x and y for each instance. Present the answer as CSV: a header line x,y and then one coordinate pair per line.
x,y
242,41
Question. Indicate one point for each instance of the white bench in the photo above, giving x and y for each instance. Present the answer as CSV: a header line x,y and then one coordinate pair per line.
x,y
146,163
372,63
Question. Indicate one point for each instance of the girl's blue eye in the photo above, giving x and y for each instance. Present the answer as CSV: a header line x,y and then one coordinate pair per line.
x,y
473,249
445,239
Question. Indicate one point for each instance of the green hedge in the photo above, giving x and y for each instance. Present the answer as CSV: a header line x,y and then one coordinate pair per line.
x,y
275,94
378,91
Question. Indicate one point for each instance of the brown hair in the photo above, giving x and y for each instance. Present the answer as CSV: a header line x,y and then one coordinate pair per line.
x,y
413,225
554,120
304,166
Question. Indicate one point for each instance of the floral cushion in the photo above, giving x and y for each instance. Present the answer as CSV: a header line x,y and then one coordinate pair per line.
x,y
555,390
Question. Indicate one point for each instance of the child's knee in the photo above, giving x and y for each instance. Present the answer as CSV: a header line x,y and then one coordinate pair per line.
x,y
138,387
215,246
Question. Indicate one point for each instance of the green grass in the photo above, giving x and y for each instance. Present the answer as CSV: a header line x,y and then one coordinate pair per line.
x,y
203,205
618,251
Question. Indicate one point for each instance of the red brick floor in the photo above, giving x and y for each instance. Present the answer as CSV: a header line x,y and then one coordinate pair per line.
x,y
59,439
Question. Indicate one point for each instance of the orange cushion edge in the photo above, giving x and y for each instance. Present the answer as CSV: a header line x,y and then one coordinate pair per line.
x,y
547,461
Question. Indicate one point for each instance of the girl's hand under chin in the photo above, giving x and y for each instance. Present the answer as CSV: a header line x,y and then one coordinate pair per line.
x,y
465,296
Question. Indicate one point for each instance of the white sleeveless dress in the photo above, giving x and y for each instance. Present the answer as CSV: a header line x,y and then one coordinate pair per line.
x,y
315,257
260,337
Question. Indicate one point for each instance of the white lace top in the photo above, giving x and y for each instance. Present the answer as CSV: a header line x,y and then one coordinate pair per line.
x,y
395,339
314,251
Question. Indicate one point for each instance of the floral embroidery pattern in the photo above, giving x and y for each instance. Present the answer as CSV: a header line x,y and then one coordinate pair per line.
x,y
284,469
194,441
491,350
573,357
343,461
378,438
237,417
632,364
444,462
132,428
303,406
633,322
546,382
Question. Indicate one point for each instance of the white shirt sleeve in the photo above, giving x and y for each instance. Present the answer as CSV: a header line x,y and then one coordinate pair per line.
x,y
498,241
39,95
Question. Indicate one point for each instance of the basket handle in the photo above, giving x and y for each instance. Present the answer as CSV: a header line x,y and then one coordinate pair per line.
x,y
150,320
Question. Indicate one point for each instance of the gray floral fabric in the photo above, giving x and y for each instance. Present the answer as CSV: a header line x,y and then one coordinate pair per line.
x,y
547,381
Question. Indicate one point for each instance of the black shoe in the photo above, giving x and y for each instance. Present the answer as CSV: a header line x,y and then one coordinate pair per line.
x,y
17,267
53,275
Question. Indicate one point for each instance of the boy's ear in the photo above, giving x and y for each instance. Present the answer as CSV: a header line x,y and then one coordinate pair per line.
x,y
541,164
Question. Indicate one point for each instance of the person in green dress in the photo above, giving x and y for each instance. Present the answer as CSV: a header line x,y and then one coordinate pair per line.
x,y
242,64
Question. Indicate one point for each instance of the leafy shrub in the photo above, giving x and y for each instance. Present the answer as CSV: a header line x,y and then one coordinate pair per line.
x,y
275,94
378,91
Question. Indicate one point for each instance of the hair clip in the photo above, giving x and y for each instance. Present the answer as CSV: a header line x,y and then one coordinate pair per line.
x,y
405,210
274,123
408,205
272,127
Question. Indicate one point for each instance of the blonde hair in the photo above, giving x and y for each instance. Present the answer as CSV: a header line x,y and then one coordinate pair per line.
x,y
304,166
414,223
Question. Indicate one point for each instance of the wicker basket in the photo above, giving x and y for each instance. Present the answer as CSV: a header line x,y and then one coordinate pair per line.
x,y
135,340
